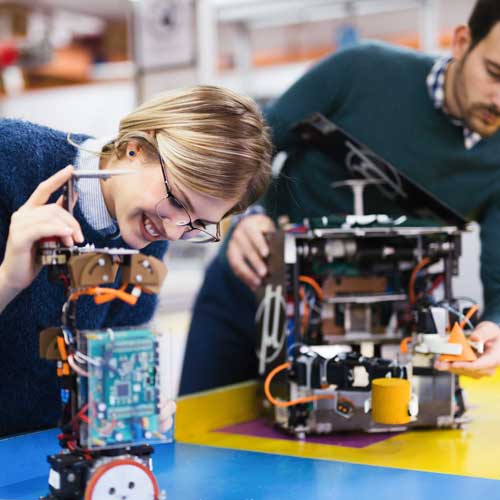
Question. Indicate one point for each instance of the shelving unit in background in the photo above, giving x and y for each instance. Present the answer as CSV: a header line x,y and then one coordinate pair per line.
x,y
228,32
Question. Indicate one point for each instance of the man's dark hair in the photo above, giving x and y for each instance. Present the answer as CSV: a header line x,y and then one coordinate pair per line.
x,y
485,15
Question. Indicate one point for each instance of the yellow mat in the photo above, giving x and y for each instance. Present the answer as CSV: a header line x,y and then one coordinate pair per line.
x,y
471,451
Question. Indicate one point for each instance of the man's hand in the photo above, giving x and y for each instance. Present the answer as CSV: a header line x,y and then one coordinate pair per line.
x,y
487,364
248,249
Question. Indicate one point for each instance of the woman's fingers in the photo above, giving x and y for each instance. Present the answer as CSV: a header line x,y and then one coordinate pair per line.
x,y
41,230
33,221
60,200
42,193
26,219
67,218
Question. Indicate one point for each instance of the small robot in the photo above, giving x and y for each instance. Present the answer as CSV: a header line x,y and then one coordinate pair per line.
x,y
109,378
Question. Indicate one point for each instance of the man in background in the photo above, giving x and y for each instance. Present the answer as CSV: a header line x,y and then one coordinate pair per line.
x,y
436,120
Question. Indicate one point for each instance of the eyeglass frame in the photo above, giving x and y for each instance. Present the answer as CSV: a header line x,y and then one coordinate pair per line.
x,y
215,238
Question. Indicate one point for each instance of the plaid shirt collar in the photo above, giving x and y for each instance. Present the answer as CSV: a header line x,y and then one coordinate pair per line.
x,y
435,86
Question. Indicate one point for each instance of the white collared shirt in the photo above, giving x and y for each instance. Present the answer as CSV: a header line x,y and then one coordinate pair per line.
x,y
90,197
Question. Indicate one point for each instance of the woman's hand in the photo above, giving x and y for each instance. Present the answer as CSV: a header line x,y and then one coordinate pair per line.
x,y
166,417
33,221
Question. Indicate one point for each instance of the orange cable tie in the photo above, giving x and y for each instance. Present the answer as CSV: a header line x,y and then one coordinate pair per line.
x,y
469,315
313,283
285,404
411,284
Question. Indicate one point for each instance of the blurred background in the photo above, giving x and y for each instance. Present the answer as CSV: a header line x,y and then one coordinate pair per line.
x,y
81,66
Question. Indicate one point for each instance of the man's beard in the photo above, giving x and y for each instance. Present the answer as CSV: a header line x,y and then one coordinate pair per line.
x,y
490,123
473,114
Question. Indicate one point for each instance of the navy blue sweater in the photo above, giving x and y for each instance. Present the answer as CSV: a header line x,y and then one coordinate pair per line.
x,y
29,397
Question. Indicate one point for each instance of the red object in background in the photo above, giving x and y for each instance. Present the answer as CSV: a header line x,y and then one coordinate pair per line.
x,y
9,54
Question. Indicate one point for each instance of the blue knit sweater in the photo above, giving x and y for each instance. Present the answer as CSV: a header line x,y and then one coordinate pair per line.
x,y
29,397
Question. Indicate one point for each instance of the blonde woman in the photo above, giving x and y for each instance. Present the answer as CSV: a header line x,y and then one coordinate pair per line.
x,y
199,154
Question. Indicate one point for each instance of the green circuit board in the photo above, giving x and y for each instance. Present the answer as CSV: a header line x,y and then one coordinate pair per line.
x,y
121,392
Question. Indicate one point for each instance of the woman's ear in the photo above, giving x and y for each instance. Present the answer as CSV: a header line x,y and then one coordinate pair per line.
x,y
133,150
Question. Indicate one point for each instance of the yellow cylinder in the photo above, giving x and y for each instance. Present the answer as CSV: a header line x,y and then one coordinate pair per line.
x,y
390,399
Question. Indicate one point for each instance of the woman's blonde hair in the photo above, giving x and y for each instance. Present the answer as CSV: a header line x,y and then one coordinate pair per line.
x,y
213,140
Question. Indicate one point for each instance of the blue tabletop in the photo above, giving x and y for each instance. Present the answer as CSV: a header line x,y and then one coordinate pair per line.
x,y
188,472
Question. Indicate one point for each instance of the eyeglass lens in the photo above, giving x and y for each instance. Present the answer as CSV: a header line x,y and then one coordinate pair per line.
x,y
170,210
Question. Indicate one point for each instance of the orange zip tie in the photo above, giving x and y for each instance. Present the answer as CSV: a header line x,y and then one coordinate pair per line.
x,y
469,315
62,348
102,295
305,315
403,345
313,283
411,284
107,297
285,404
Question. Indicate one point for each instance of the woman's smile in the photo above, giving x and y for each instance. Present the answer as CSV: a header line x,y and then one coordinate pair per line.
x,y
149,230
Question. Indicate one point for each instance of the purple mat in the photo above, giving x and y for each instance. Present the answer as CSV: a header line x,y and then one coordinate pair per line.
x,y
262,428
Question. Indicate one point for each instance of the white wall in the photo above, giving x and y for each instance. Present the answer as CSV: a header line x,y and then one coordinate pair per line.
x,y
93,109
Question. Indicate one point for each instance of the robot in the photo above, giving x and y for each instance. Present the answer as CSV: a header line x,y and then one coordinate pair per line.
x,y
109,379
353,299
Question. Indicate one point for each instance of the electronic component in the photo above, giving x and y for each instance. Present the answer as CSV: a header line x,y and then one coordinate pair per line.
x,y
121,391
374,283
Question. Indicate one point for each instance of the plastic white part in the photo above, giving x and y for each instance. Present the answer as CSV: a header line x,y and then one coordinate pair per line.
x,y
413,406
368,405
103,174
271,337
361,377
54,479
432,343
290,253
116,482
440,317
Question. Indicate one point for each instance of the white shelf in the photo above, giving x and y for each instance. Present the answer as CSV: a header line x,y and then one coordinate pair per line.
x,y
249,15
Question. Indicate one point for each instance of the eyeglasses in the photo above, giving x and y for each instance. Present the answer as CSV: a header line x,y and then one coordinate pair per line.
x,y
170,209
